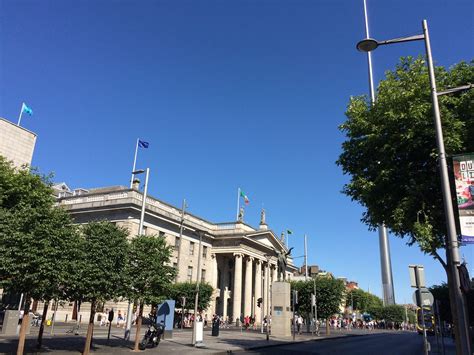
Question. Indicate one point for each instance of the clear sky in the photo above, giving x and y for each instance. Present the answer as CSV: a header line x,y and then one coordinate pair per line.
x,y
242,93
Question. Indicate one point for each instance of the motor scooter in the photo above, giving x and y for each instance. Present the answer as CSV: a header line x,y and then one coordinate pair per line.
x,y
152,335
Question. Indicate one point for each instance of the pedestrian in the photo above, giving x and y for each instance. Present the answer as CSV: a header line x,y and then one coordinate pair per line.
x,y
299,321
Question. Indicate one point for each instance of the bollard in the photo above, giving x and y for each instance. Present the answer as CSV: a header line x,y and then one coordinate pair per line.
x,y
66,318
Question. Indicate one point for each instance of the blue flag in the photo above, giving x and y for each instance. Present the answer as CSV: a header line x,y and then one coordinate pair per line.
x,y
26,109
143,144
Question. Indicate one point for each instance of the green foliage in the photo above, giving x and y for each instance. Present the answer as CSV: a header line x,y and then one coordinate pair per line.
x,y
393,313
188,290
148,273
36,238
441,294
329,293
363,301
99,265
391,155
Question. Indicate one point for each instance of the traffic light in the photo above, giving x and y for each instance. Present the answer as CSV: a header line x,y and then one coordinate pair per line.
x,y
259,302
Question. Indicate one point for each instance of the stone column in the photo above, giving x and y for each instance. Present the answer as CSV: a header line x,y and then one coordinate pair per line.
x,y
274,273
214,272
237,289
225,296
248,287
258,290
215,286
266,286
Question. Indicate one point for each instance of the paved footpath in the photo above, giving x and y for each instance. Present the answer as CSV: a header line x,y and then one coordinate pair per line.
x,y
228,341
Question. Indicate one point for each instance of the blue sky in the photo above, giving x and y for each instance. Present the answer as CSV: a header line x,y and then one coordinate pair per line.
x,y
228,93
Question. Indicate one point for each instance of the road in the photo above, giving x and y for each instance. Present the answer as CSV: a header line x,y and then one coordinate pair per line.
x,y
385,343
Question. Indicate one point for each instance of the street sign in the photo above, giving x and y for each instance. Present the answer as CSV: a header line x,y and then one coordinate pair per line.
x,y
426,297
417,272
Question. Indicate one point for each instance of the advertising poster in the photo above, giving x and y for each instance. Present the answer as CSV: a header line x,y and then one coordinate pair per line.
x,y
463,166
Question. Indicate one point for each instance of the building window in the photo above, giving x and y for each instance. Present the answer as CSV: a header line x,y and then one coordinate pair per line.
x,y
203,275
204,252
144,228
190,273
191,248
161,234
177,242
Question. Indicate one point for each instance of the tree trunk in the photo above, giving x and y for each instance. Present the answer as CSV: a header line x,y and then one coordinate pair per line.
x,y
43,319
328,328
139,325
24,325
90,329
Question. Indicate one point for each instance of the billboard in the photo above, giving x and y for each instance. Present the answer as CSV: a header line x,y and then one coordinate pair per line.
x,y
463,166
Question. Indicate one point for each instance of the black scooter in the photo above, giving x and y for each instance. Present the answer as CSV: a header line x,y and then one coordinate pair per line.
x,y
152,335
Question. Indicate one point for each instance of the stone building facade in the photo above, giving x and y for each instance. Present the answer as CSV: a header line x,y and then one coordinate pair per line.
x,y
238,261
16,143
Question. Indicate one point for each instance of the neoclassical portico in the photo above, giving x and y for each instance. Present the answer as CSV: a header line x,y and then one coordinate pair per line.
x,y
246,269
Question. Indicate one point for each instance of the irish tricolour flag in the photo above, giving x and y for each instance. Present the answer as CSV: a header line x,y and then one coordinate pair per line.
x,y
244,196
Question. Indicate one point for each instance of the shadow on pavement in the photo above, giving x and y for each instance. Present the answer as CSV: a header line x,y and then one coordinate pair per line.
x,y
66,344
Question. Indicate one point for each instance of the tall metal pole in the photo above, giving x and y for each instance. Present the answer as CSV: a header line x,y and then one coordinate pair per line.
x,y
128,324
134,164
385,260
419,302
196,298
238,204
181,227
305,258
452,238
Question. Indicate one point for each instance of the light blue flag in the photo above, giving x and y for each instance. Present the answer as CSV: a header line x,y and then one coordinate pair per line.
x,y
26,109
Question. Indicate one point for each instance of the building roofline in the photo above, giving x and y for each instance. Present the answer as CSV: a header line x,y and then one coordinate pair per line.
x,y
23,128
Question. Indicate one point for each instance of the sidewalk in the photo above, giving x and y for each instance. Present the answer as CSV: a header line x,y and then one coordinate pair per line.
x,y
229,340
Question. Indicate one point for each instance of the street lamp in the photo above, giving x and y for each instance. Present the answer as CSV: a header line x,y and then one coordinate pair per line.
x,y
267,302
369,44
128,325
196,297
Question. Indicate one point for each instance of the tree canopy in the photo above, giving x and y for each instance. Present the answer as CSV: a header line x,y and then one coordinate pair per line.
x,y
329,295
36,238
188,290
390,150
363,301
149,275
441,294
99,265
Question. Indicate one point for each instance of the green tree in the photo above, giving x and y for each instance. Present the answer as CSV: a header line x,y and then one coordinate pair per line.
x,y
441,294
149,275
363,301
99,268
393,313
188,290
329,294
391,155
36,240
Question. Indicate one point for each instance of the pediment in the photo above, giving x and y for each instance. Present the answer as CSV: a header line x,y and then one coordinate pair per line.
x,y
266,238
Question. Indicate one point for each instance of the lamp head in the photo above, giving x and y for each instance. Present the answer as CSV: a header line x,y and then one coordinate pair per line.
x,y
367,45
139,171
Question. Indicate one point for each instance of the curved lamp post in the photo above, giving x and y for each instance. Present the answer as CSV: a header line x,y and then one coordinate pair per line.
x,y
369,44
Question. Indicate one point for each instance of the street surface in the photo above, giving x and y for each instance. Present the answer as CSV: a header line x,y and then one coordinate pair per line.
x,y
395,343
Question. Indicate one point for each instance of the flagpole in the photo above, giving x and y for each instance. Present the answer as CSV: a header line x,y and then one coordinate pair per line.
x,y
134,164
21,113
305,258
238,203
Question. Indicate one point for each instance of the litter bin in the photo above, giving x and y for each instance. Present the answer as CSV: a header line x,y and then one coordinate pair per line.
x,y
215,327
